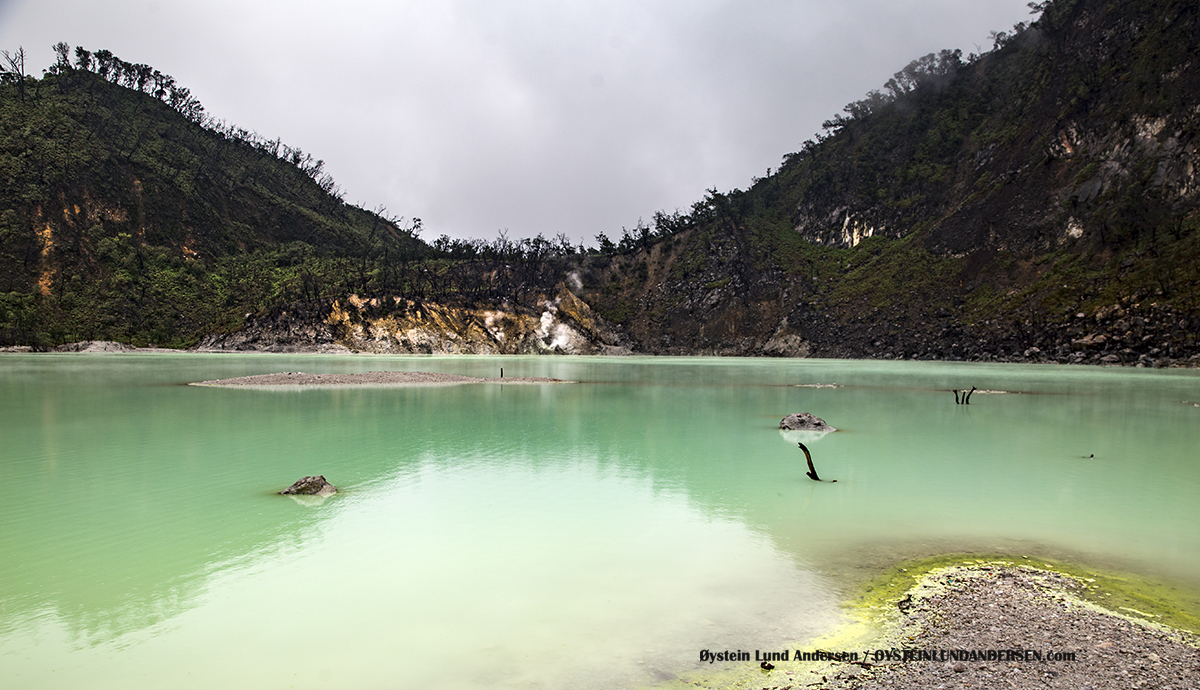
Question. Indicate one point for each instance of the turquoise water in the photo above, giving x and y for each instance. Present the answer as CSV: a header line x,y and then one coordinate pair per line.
x,y
597,534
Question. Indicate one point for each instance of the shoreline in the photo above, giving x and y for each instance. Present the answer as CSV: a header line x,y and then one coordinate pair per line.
x,y
99,347
1041,627
965,621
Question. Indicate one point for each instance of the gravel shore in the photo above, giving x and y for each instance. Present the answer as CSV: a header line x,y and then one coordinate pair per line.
x,y
370,378
1019,612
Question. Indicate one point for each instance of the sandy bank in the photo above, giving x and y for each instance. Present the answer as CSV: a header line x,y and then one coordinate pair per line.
x,y
370,378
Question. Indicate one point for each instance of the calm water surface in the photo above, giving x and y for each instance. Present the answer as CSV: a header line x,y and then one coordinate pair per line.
x,y
589,535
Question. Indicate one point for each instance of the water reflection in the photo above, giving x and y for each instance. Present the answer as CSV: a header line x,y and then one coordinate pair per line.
x,y
308,501
794,436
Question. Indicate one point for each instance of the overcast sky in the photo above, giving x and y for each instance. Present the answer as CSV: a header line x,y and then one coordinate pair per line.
x,y
532,116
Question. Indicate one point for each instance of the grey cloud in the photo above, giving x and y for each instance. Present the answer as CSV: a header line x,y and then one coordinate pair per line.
x,y
534,116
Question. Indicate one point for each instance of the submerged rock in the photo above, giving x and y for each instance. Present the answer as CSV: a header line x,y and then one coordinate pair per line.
x,y
310,486
804,421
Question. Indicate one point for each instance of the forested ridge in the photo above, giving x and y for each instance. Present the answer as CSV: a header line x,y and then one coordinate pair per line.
x,y
126,213
129,213
1037,202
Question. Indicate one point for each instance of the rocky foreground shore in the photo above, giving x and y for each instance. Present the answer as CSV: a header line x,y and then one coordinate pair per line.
x,y
1017,612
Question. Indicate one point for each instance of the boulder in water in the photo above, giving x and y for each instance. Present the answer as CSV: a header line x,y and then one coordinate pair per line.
x,y
310,486
804,421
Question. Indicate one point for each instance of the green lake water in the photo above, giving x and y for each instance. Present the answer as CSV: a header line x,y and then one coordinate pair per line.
x,y
596,534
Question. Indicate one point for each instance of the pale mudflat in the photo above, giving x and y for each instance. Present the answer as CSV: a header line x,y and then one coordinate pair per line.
x,y
370,378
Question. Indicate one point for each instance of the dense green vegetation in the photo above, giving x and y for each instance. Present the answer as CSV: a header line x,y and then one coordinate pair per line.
x,y
127,214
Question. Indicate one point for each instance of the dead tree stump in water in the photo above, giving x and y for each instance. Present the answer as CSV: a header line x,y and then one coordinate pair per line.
x,y
966,396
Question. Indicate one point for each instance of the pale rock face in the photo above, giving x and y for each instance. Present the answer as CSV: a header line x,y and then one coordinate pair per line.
x,y
854,232
489,322
559,324
785,342
1074,228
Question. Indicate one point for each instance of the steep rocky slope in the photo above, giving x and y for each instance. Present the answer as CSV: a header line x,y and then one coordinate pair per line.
x,y
556,323
1035,203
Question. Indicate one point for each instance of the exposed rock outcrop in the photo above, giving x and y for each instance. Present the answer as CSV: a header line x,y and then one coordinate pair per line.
x,y
299,327
804,421
560,323
310,486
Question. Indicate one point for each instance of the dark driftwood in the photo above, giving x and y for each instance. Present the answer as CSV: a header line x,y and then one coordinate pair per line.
x,y
812,471
966,396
